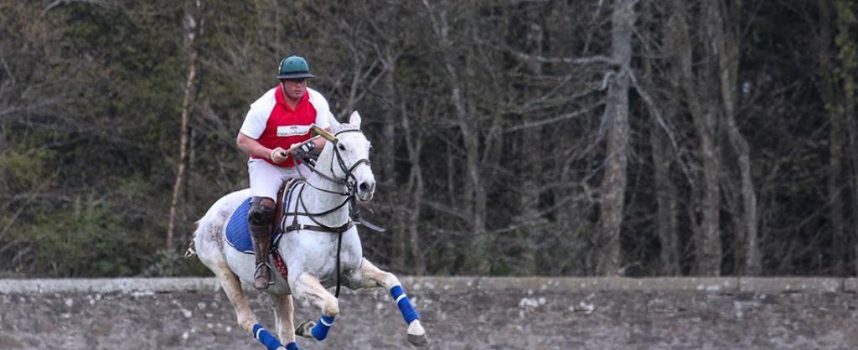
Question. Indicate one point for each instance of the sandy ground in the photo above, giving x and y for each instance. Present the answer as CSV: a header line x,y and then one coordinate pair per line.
x,y
458,313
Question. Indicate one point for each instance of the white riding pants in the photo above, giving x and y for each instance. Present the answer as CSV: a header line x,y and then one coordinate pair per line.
x,y
266,179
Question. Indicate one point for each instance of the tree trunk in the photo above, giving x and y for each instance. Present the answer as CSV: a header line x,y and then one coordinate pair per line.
x,y
388,161
192,26
473,193
416,190
835,189
726,26
531,22
660,137
613,185
834,104
703,108
846,41
666,193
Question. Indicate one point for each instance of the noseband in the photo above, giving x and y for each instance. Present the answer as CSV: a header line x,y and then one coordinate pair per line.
x,y
349,175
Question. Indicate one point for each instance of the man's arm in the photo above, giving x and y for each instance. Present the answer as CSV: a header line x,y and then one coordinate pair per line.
x,y
253,148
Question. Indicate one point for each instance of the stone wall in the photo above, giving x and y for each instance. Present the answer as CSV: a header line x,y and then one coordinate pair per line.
x,y
458,313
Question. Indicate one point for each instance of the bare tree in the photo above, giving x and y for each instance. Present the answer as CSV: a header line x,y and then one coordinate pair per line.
x,y
657,84
703,106
415,188
192,24
666,192
473,192
726,35
613,187
837,67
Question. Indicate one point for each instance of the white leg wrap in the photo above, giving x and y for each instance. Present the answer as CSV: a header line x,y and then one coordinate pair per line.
x,y
415,328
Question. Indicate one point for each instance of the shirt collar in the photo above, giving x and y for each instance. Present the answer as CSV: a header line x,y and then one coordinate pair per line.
x,y
279,97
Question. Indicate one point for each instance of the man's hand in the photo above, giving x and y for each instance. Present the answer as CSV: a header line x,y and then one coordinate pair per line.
x,y
278,155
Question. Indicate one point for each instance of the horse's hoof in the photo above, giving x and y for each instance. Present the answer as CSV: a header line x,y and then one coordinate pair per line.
x,y
304,329
418,340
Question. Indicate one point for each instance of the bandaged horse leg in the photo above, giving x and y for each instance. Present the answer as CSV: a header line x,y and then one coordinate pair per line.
x,y
284,319
246,318
370,276
307,286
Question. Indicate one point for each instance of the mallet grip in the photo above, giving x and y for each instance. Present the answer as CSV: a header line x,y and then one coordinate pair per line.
x,y
323,133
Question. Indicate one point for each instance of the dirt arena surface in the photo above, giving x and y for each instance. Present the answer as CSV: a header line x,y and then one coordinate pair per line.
x,y
457,312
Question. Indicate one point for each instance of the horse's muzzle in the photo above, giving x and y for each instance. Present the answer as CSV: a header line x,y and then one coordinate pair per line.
x,y
365,190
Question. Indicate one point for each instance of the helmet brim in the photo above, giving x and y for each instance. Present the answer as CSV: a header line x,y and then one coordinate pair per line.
x,y
298,75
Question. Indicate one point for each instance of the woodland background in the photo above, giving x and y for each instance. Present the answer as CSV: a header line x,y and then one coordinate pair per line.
x,y
511,137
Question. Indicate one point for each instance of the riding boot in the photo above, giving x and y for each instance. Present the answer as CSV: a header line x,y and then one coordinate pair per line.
x,y
261,247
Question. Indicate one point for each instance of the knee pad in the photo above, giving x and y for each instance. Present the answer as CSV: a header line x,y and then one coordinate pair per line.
x,y
260,214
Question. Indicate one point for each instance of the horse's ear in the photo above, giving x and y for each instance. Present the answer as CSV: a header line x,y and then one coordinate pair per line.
x,y
354,119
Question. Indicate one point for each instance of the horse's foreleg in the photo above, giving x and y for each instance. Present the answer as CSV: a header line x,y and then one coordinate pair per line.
x,y
371,276
284,319
246,319
309,287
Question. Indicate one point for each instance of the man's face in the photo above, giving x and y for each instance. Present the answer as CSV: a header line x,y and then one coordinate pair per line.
x,y
295,88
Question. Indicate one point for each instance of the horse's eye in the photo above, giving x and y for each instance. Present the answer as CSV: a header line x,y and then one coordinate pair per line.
x,y
341,147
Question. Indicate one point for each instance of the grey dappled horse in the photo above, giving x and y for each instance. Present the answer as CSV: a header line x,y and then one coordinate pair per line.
x,y
309,250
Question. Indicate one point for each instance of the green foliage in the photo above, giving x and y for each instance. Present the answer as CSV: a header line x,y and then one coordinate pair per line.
x,y
84,240
170,263
23,172
90,98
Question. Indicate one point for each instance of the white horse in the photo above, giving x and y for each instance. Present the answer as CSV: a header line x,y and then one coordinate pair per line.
x,y
310,247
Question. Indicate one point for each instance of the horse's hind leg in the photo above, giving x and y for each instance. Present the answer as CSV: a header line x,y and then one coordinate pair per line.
x,y
370,276
285,324
309,287
246,319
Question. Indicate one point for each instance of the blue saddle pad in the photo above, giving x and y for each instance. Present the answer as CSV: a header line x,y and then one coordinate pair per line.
x,y
237,231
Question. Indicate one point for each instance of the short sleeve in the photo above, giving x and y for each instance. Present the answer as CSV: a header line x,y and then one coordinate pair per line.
x,y
323,110
257,116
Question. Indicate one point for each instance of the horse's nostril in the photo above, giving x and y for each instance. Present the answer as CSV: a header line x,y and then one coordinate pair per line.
x,y
366,187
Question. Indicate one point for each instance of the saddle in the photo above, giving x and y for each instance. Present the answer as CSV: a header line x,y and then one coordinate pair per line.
x,y
237,232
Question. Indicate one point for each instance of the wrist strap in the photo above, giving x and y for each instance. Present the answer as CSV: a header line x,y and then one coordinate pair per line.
x,y
308,146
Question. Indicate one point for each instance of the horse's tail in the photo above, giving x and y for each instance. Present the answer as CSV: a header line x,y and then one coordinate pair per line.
x,y
191,251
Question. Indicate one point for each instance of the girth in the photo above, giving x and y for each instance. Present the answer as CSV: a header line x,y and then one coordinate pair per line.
x,y
295,226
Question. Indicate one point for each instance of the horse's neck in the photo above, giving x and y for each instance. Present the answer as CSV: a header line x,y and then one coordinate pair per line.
x,y
321,195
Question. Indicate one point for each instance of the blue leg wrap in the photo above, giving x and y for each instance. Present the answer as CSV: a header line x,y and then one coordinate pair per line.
x,y
261,334
320,330
292,346
409,313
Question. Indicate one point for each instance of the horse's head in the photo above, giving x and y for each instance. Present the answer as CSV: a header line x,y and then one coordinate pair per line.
x,y
350,158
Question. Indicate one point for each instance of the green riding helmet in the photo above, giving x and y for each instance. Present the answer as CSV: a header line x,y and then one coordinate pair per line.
x,y
294,67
